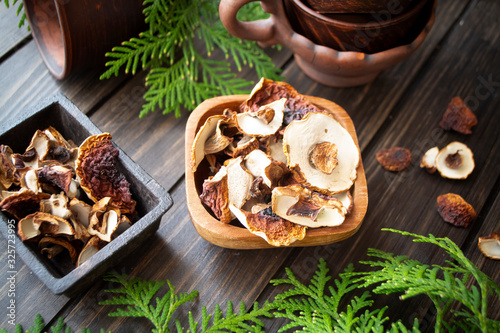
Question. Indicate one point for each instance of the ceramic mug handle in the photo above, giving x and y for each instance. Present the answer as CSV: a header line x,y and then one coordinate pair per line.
x,y
262,31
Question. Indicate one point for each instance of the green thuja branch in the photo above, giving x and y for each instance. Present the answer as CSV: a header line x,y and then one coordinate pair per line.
x,y
176,52
20,10
39,325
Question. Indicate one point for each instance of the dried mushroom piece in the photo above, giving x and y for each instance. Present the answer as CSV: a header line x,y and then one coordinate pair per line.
x,y
299,205
490,245
302,136
267,124
40,223
242,146
106,219
96,167
239,182
261,165
455,210
274,148
56,205
394,158
7,169
204,134
218,141
52,246
80,210
40,143
94,245
455,161
54,178
21,203
215,195
267,91
324,157
458,117
428,161
275,230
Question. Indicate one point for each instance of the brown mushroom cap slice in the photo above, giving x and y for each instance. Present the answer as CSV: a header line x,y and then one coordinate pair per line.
x,y
261,165
55,175
91,247
48,244
302,136
490,245
243,146
21,203
218,141
455,210
105,220
40,142
299,205
428,161
250,123
275,230
215,195
41,223
455,161
207,131
56,205
7,169
458,117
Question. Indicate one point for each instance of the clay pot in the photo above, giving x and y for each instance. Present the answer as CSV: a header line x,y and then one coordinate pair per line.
x,y
323,64
368,33
360,6
73,35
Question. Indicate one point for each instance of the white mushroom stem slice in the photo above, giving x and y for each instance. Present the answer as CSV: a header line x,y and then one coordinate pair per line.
x,y
56,205
92,247
455,161
239,182
259,123
43,223
261,165
105,226
275,150
490,245
208,129
275,230
302,136
29,179
299,205
428,161
81,211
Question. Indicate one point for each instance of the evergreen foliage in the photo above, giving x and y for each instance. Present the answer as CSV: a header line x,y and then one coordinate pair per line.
x,y
20,10
176,51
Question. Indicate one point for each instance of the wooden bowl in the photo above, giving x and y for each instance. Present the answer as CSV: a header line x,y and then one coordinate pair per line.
x,y
234,235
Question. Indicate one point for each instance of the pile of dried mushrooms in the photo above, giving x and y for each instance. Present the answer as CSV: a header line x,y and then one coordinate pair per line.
x,y
279,164
66,198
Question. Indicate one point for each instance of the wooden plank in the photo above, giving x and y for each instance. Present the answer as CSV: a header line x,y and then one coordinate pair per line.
x,y
12,35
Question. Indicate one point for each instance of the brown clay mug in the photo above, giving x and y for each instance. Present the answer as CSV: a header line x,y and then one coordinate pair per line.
x,y
323,64
73,35
359,6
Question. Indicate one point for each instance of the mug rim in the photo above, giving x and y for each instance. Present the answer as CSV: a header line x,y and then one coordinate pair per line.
x,y
372,24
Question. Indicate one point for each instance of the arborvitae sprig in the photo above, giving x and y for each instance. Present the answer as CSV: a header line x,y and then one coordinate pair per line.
x,y
39,325
20,11
444,285
176,51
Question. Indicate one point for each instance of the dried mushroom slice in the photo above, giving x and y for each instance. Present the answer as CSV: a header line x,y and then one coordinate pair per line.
x,y
242,146
458,117
275,230
490,245
40,143
52,246
274,148
218,141
455,161
215,195
267,91
261,165
56,205
394,158
29,179
54,177
301,137
455,210
96,167
80,210
206,133
428,161
263,122
7,169
94,245
105,220
21,203
299,205
40,223
239,182
28,159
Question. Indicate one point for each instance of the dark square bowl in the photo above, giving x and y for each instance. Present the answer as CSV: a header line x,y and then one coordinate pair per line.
x,y
152,200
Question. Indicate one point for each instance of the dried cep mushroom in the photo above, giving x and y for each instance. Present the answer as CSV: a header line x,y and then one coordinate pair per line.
x,y
455,210
54,178
239,182
490,245
94,245
324,157
40,223
250,123
302,136
259,164
274,148
96,167
215,195
106,219
242,146
56,205
458,117
455,161
275,230
394,158
21,203
7,169
428,161
52,246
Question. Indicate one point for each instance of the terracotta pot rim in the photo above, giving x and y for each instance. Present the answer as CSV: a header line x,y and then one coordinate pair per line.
x,y
339,23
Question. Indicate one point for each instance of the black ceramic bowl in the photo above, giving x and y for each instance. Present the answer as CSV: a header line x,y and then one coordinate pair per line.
x,y
152,200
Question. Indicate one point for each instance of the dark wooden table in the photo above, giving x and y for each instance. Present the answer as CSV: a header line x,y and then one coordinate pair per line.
x,y
402,107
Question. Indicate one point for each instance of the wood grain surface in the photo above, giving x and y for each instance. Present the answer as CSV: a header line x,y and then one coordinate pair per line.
x,y
402,107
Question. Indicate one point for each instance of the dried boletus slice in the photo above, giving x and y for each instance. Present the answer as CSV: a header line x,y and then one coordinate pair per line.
x,y
458,117
490,245
455,210
242,146
105,220
275,230
52,246
239,182
80,210
215,195
7,169
455,161
21,203
261,165
91,247
40,143
428,161
41,223
274,148
394,158
56,205
96,167
302,137
263,122
55,177
299,205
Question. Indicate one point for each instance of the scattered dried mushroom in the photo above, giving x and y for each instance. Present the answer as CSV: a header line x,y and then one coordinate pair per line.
x,y
287,167
41,188
490,245
458,117
394,158
455,161
455,210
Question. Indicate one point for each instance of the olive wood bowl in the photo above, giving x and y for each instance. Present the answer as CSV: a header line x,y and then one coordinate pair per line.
x,y
235,235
